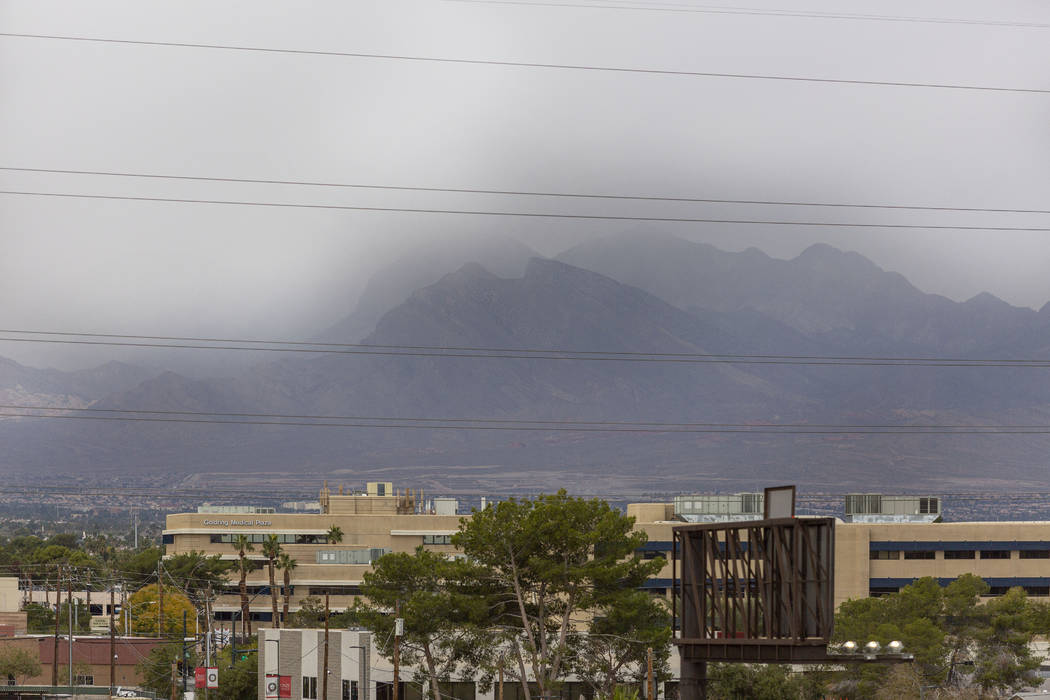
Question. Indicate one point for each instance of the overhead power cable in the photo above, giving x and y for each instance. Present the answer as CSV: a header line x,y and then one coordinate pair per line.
x,y
525,64
525,193
522,428
753,11
526,214
563,354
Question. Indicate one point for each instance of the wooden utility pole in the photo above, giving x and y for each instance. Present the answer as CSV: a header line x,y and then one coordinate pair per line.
x,y
397,649
160,601
112,644
174,674
58,605
324,679
650,689
69,639
500,678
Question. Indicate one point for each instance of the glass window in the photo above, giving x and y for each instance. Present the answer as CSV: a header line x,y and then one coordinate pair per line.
x,y
1035,553
349,690
437,539
879,554
925,554
310,687
963,554
876,591
994,554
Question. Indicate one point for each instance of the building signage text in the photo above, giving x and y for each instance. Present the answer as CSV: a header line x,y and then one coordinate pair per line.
x,y
240,523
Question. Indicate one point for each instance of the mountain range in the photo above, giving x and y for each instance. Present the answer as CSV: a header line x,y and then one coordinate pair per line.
x,y
622,294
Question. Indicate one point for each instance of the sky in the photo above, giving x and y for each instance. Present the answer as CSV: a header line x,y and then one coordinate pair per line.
x,y
203,269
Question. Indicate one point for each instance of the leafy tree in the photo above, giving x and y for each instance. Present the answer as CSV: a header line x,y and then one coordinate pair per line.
x,y
310,614
19,664
615,649
156,668
40,618
1004,662
287,565
137,567
238,680
197,573
243,545
757,682
434,597
145,612
550,560
335,534
271,549
81,616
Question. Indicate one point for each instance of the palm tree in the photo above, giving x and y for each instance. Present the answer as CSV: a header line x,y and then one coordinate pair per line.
x,y
335,534
287,564
271,549
243,543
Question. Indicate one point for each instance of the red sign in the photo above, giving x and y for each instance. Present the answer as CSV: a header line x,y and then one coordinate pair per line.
x,y
286,686
200,677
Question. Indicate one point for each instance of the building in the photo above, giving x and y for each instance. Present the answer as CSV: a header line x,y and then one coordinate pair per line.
x,y
91,657
373,523
890,542
298,655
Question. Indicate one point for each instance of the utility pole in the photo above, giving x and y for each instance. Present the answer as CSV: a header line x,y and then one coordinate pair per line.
x,y
398,624
500,677
160,601
650,689
174,671
207,638
58,608
185,656
69,605
324,680
112,644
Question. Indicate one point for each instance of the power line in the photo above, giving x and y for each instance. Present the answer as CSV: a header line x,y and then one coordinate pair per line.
x,y
524,64
520,428
749,11
524,193
520,353
520,421
533,215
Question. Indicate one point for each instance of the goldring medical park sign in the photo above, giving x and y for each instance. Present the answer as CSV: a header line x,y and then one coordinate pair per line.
x,y
239,523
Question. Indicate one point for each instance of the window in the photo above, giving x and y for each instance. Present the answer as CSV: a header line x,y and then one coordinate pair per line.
x,y
876,591
964,554
928,506
335,590
437,539
879,554
310,687
260,537
1035,553
349,690
84,680
863,504
1037,590
924,554
995,554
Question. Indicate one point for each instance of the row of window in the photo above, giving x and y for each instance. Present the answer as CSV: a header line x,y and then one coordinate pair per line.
x,y
260,537
335,590
1043,591
960,554
437,539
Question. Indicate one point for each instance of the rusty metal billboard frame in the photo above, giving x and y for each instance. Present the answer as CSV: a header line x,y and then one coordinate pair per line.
x,y
759,591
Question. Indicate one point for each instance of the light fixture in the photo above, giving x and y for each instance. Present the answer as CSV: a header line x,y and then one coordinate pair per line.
x,y
850,647
872,647
894,647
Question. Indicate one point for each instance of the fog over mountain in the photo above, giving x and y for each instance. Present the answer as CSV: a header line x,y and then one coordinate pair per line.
x,y
619,294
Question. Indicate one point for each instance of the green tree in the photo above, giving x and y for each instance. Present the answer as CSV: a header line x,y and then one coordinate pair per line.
x,y
243,545
551,561
271,549
19,664
238,679
197,574
615,648
1004,662
145,612
156,667
435,598
81,616
40,618
757,682
310,614
335,534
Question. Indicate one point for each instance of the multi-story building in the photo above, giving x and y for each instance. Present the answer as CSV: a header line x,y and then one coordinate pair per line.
x,y
371,524
885,543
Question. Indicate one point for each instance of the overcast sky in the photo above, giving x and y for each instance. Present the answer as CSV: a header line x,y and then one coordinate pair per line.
x,y
161,268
